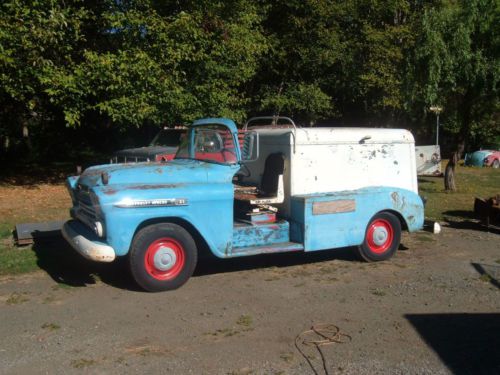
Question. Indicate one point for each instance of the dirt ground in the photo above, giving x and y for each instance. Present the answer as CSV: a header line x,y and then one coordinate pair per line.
x,y
434,308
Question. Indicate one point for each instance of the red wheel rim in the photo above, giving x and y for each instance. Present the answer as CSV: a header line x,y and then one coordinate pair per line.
x,y
164,259
379,236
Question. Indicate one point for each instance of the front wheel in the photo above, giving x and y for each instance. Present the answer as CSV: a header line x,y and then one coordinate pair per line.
x,y
162,257
382,238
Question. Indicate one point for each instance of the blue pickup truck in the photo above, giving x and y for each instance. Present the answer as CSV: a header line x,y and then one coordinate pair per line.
x,y
248,192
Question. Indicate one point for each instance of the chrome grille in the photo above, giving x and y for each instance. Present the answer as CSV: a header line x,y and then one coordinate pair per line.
x,y
85,210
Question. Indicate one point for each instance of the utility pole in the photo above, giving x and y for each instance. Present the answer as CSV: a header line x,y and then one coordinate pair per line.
x,y
436,110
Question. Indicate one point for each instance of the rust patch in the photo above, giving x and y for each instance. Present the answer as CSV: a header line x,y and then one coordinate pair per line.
x,y
110,191
395,198
334,207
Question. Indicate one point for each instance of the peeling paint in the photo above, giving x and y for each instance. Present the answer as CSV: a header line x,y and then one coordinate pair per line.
x,y
110,191
395,198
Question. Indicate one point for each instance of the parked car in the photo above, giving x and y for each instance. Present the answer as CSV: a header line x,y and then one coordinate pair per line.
x,y
484,158
162,148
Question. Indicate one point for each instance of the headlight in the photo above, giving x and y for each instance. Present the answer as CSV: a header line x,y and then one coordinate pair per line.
x,y
99,229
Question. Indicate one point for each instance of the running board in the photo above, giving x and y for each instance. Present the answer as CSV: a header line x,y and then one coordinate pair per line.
x,y
281,247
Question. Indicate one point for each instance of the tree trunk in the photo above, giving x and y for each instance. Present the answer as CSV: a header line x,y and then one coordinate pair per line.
x,y
449,172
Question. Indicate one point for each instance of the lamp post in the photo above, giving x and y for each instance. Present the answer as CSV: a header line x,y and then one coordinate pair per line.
x,y
436,110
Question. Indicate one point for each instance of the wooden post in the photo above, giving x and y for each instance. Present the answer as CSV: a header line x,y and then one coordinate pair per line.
x,y
449,173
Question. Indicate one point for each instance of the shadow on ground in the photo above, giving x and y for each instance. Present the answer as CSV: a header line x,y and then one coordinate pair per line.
x,y
461,219
211,265
472,225
460,214
65,266
466,343
489,273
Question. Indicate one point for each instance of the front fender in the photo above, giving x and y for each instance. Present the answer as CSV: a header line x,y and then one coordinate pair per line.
x,y
207,207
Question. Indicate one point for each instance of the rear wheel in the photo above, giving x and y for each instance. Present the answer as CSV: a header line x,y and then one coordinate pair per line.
x,y
382,238
163,257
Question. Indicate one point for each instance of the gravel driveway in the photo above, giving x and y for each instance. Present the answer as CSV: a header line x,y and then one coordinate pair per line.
x,y
434,308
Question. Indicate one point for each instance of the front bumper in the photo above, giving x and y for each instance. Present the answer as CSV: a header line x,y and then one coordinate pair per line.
x,y
86,242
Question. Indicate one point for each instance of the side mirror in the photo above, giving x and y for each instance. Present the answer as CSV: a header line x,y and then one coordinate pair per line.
x,y
250,146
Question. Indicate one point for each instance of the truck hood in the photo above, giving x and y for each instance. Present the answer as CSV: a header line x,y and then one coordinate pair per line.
x,y
178,171
146,152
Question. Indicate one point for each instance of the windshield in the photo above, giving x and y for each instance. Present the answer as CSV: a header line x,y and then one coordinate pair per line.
x,y
211,143
168,137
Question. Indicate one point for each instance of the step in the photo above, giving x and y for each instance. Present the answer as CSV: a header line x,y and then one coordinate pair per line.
x,y
281,247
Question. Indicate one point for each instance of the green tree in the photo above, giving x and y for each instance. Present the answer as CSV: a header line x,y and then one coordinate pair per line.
x,y
456,65
164,67
35,38
344,59
124,62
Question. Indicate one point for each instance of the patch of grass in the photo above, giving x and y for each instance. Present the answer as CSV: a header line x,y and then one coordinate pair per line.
x,y
146,350
425,237
63,286
5,230
16,261
485,277
245,321
242,371
17,298
224,332
82,363
400,265
27,201
151,351
287,357
50,326
244,324
378,292
49,299
471,182
497,261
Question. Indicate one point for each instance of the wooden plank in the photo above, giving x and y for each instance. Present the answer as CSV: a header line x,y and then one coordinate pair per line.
x,y
334,207
26,233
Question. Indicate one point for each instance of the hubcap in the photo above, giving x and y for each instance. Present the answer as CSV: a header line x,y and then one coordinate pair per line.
x,y
379,236
164,259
